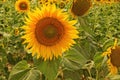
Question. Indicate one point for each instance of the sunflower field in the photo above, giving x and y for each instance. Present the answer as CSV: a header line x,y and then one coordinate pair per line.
x,y
59,39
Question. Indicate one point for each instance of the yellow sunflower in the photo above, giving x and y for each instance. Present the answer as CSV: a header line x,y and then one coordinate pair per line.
x,y
113,54
63,3
48,32
80,7
46,2
22,5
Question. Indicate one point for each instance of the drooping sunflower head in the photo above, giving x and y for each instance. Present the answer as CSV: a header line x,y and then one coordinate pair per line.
x,y
48,32
22,5
80,7
113,54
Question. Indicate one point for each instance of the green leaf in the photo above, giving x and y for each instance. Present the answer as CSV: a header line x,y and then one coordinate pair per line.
x,y
32,75
84,25
48,68
98,60
73,59
72,75
19,70
108,43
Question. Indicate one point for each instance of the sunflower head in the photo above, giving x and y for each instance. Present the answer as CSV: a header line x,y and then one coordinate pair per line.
x,y
22,5
47,2
113,54
49,32
62,5
80,7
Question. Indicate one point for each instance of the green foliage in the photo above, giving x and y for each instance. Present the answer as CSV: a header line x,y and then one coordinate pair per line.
x,y
48,68
19,70
73,60
22,71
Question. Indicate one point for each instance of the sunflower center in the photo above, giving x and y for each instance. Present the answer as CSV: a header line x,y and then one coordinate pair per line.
x,y
23,6
115,56
49,31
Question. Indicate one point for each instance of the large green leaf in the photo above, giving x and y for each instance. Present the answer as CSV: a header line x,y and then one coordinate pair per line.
x,y
22,71
48,68
19,70
73,59
32,75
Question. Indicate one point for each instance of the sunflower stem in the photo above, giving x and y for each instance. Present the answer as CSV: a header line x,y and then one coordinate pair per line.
x,y
89,73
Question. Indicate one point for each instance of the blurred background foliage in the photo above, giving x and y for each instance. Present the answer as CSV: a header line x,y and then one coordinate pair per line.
x,y
83,61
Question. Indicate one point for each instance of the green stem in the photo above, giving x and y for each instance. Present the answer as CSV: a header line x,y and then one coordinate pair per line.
x,y
89,73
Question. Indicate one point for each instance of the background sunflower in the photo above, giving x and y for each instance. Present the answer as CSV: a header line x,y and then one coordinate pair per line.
x,y
113,54
22,5
80,7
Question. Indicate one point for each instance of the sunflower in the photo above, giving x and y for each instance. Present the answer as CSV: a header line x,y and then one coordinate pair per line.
x,y
48,32
80,7
113,54
63,3
22,5
46,2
